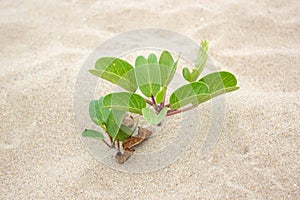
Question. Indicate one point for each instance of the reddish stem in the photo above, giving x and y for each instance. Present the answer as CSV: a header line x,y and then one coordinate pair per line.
x,y
157,108
173,112
149,102
153,100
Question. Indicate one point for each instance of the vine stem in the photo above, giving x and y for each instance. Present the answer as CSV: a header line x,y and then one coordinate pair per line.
x,y
107,143
173,112
149,102
154,104
153,100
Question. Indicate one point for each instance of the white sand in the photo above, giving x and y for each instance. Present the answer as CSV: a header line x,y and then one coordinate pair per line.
x,y
43,45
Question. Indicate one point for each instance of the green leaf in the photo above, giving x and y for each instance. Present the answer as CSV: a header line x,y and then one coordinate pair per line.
x,y
125,101
116,71
202,56
92,134
220,83
166,59
103,112
116,129
114,122
147,74
92,111
209,86
152,117
161,95
125,132
199,65
152,59
167,68
195,93
97,112
190,77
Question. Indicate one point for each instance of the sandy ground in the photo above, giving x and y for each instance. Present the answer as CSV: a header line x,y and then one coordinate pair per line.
x,y
44,44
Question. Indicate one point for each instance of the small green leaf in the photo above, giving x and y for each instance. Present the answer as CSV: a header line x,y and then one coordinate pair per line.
x,y
152,59
103,112
161,95
147,74
190,77
199,65
125,101
195,93
92,111
167,68
116,71
97,112
92,134
152,117
220,83
166,59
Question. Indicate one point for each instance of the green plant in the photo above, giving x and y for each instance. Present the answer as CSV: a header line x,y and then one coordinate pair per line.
x,y
152,77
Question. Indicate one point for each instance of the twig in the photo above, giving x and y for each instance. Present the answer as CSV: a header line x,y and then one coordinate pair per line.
x,y
130,142
121,158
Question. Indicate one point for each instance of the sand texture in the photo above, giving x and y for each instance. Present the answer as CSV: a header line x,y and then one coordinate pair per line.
x,y
43,46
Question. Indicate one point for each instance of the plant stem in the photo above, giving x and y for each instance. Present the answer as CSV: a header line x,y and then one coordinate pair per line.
x,y
173,112
149,102
154,104
167,105
118,145
110,139
107,143
153,100
104,127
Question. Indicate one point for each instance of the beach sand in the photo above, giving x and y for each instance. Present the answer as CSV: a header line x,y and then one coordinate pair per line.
x,y
43,46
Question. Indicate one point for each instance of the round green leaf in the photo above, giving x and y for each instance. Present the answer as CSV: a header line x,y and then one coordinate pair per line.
x,y
147,74
195,93
116,71
167,67
220,82
125,101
